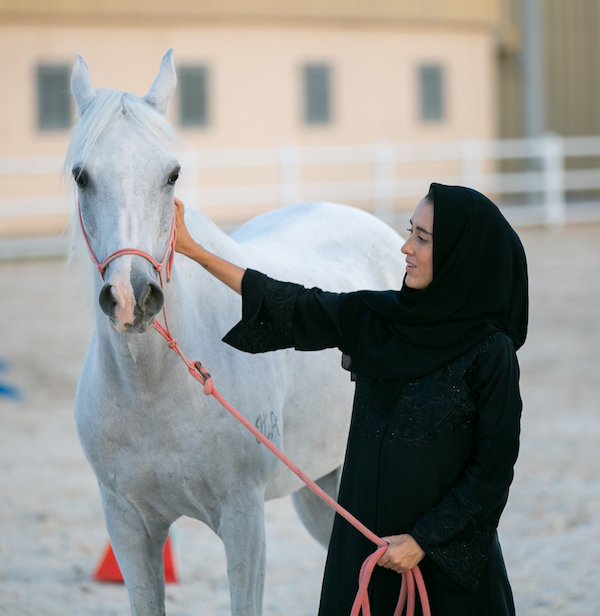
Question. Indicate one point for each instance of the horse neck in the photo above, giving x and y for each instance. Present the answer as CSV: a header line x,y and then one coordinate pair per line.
x,y
215,240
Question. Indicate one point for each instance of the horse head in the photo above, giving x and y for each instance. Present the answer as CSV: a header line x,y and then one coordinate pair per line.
x,y
121,159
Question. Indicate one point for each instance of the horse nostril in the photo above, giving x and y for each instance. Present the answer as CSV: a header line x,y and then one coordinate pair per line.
x,y
107,301
150,299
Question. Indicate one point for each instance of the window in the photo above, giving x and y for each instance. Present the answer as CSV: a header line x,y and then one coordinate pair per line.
x,y
431,81
193,96
54,97
317,94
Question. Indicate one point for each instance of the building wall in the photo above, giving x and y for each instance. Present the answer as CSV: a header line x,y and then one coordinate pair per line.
x,y
254,73
571,50
254,78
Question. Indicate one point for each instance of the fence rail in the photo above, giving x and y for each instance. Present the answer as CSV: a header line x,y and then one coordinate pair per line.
x,y
551,180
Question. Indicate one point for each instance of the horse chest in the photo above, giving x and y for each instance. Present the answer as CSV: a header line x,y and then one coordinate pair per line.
x,y
166,448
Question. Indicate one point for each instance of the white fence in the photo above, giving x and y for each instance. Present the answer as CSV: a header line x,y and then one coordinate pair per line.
x,y
556,180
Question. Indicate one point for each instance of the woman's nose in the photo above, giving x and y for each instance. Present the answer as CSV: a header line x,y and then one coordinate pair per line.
x,y
406,247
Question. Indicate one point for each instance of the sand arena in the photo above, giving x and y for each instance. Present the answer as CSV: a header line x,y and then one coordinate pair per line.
x,y
52,528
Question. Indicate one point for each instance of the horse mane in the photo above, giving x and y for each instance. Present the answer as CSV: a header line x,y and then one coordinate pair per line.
x,y
104,108
107,105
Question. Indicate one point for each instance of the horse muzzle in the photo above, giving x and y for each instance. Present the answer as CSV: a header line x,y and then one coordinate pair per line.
x,y
131,303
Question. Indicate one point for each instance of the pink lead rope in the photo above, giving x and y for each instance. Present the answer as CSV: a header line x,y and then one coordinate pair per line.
x,y
199,372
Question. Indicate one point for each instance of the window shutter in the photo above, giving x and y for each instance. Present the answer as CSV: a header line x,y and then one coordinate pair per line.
x,y
317,94
193,95
54,97
431,77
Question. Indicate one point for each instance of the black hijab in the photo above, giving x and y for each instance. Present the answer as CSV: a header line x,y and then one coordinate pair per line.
x,y
479,287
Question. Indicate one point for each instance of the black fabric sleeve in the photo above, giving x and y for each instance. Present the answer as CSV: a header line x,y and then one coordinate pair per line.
x,y
279,315
458,533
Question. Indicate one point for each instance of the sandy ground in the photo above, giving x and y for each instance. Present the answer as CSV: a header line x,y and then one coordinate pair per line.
x,y
52,529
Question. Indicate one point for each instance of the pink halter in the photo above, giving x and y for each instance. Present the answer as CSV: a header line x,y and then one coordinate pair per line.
x,y
134,251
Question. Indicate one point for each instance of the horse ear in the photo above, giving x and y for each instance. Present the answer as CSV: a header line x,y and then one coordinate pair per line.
x,y
164,85
81,84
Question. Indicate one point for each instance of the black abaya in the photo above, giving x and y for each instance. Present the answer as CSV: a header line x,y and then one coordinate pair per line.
x,y
432,456
435,425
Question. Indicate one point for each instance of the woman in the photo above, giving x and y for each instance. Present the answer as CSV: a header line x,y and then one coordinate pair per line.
x,y
435,425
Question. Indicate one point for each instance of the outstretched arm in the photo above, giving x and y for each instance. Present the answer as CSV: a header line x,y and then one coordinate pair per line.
x,y
226,272
275,314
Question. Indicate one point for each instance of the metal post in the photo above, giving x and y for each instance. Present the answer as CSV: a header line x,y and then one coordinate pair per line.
x,y
383,182
534,114
554,180
289,175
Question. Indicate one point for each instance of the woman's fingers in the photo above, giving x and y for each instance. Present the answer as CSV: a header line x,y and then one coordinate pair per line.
x,y
180,216
185,243
403,553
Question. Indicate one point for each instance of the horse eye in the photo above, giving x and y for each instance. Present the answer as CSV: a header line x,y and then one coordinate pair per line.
x,y
80,176
173,178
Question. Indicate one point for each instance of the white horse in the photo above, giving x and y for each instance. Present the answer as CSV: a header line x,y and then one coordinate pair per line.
x,y
160,449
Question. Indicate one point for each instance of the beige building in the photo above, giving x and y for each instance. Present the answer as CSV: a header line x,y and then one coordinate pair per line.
x,y
252,74
570,53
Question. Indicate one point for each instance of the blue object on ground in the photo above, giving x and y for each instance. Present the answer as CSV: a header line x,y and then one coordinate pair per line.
x,y
8,390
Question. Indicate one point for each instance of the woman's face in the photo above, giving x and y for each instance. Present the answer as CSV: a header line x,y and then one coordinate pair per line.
x,y
419,247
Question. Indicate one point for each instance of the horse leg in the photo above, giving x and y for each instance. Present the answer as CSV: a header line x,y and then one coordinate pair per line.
x,y
137,540
316,515
242,531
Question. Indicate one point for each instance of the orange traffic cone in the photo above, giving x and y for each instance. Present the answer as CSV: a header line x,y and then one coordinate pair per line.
x,y
108,569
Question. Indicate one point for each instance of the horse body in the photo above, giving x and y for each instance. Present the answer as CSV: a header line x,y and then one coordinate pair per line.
x,y
159,448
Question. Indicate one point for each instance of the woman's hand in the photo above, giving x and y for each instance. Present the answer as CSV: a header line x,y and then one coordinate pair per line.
x,y
403,554
185,242
226,272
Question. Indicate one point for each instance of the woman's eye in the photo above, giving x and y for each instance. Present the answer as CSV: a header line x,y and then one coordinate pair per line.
x,y
422,240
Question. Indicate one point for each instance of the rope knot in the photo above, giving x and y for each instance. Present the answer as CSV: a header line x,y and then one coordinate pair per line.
x,y
205,374
172,344
208,386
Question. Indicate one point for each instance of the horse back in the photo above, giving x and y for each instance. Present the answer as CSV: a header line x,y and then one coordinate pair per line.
x,y
338,246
